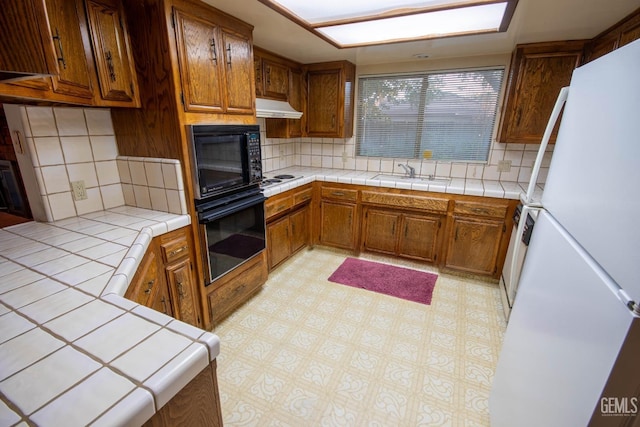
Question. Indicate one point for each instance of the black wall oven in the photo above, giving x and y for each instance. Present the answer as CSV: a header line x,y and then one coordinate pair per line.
x,y
226,158
229,202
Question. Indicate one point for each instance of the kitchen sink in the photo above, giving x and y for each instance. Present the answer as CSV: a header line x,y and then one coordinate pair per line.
x,y
425,180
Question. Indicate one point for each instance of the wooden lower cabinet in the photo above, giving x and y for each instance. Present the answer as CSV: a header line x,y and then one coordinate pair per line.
x,y
278,246
288,217
288,235
233,289
338,224
165,280
420,238
474,245
182,286
410,235
197,404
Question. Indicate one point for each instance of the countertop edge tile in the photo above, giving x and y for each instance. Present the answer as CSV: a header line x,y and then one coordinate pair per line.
x,y
134,409
176,374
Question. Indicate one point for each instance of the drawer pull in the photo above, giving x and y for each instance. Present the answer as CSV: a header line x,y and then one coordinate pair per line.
x,y
177,251
480,211
239,289
164,305
337,193
281,207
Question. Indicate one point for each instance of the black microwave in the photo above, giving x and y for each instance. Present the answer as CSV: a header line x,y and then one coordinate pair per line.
x,y
226,158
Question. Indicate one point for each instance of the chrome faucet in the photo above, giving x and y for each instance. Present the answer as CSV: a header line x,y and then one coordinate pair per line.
x,y
409,170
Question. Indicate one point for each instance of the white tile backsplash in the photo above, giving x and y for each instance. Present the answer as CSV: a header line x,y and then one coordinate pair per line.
x,y
70,121
76,149
75,144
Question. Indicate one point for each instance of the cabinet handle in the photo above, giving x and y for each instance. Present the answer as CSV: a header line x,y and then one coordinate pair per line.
x,y
164,305
333,121
393,228
112,70
518,117
61,57
456,237
229,55
181,290
149,286
213,50
268,75
337,193
177,251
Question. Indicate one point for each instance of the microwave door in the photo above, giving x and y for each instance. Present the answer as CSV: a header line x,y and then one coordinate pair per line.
x,y
220,162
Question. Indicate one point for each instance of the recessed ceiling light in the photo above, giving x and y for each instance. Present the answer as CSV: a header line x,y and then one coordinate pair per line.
x,y
368,22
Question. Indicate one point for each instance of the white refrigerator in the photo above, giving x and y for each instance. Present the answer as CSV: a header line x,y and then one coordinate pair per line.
x,y
571,351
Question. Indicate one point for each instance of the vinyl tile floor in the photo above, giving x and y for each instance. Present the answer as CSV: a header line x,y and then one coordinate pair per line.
x,y
308,352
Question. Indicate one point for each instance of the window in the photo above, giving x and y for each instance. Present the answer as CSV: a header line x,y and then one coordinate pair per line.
x,y
441,116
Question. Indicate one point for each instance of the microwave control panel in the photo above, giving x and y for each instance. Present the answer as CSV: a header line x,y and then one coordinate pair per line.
x,y
255,160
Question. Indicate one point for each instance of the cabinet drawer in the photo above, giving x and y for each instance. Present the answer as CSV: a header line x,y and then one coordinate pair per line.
x,y
339,194
480,209
175,249
302,197
405,201
234,291
275,206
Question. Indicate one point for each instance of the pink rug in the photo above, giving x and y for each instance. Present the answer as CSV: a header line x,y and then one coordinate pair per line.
x,y
386,279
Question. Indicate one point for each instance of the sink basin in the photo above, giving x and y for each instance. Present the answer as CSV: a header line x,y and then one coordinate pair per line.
x,y
425,180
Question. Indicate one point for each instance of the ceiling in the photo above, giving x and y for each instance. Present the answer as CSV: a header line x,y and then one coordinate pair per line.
x,y
533,21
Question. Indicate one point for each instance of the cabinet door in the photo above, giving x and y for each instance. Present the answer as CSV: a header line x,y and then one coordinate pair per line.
x,y
278,246
419,238
324,103
474,245
200,59
535,82
182,286
381,231
238,61
112,52
161,301
300,228
146,282
67,25
338,225
276,80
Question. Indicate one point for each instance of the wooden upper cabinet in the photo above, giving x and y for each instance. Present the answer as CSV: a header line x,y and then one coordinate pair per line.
x,y
238,60
199,55
216,65
67,33
620,34
538,72
24,50
276,80
112,51
85,44
330,99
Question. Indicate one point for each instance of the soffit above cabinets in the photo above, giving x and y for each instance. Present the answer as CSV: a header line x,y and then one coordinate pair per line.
x,y
532,21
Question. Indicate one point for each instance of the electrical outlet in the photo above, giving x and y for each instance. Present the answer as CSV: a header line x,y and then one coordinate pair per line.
x,y
78,190
504,166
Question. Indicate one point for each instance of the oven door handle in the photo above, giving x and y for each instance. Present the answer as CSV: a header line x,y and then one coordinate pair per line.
x,y
217,213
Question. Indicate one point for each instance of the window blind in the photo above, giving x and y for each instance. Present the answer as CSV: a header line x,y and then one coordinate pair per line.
x,y
443,116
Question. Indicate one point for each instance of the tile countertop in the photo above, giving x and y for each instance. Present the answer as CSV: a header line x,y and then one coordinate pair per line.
x,y
73,350
472,187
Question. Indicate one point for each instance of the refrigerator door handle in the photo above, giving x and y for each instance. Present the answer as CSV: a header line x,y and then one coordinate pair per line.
x,y
562,98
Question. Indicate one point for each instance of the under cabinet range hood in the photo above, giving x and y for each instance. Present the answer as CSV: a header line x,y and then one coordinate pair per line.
x,y
270,108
